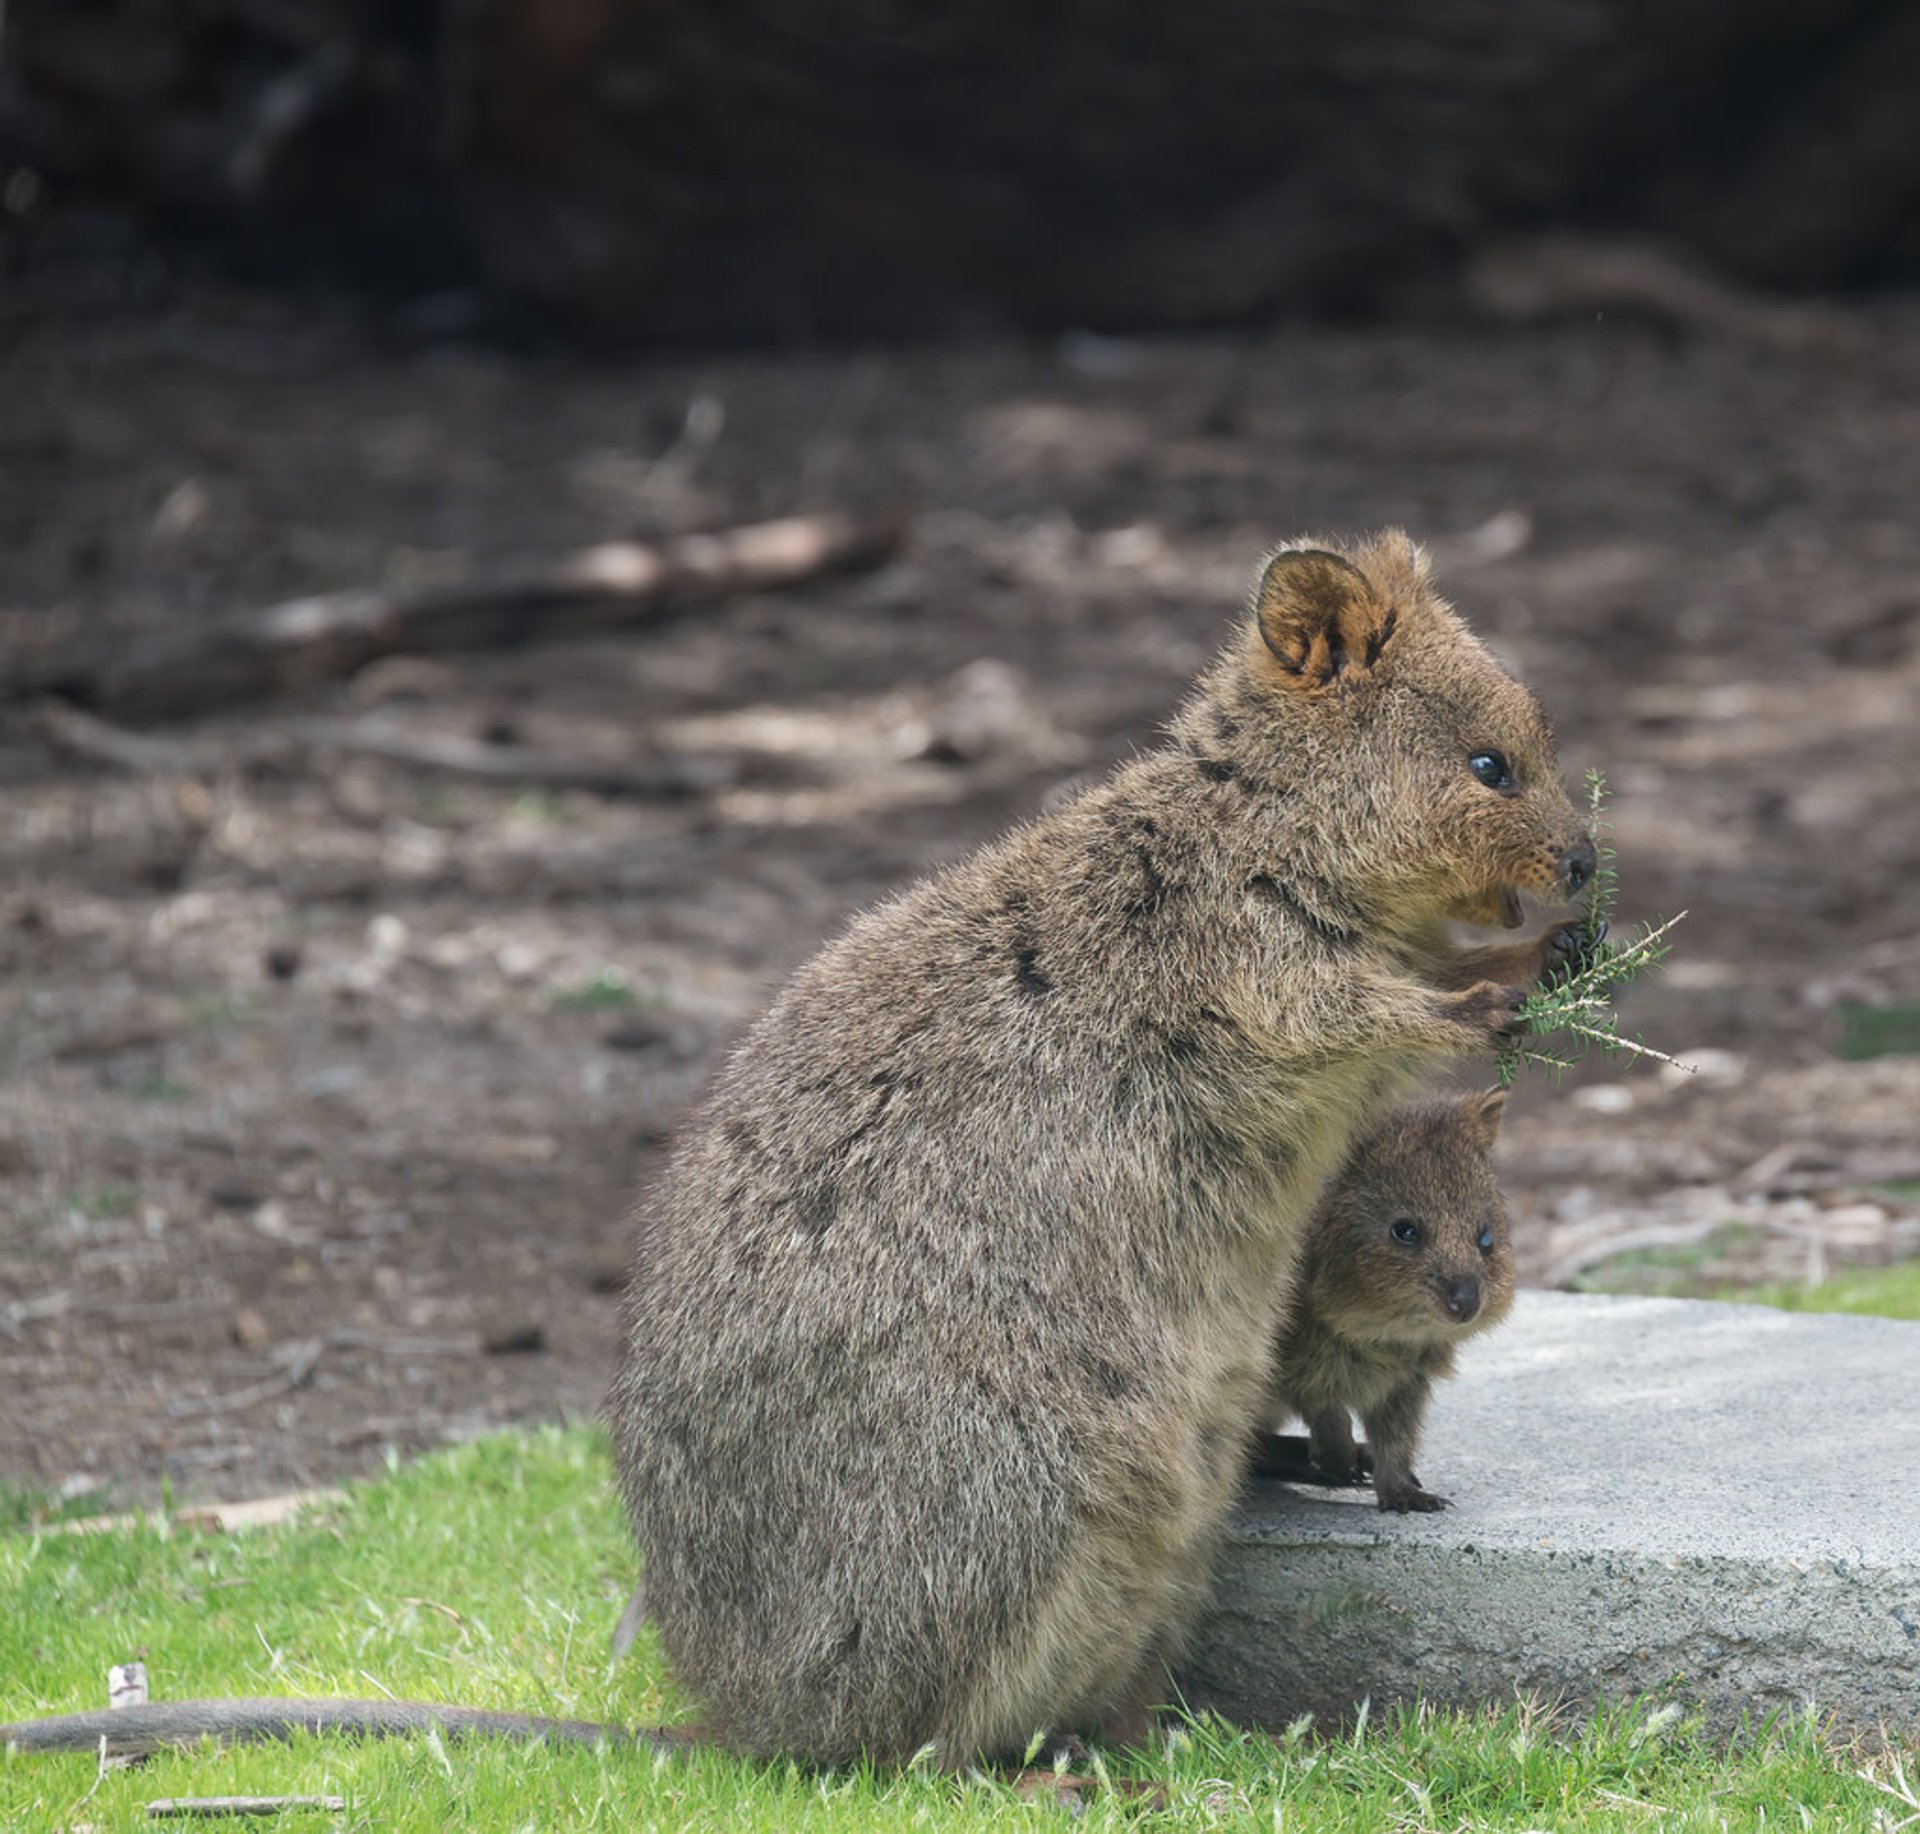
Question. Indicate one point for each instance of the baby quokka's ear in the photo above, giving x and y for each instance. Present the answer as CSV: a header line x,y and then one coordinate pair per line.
x,y
1322,620
1482,1112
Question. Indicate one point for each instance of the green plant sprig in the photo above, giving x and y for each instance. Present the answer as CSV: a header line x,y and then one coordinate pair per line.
x,y
1580,1004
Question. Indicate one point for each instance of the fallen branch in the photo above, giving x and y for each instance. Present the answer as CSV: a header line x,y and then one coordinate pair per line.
x,y
303,641
293,746
451,754
1903,1792
302,1358
209,1807
1560,277
1654,1236
162,1725
207,1518
94,741
287,108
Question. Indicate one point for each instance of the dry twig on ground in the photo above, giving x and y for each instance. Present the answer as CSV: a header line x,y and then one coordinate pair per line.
x,y
292,645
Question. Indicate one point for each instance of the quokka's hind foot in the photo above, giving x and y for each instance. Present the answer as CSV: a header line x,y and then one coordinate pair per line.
x,y
1409,1499
1071,1789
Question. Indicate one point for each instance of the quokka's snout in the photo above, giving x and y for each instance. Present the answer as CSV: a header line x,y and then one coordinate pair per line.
x,y
1577,869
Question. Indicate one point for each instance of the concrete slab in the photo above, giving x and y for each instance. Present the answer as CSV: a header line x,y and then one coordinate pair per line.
x,y
1719,1500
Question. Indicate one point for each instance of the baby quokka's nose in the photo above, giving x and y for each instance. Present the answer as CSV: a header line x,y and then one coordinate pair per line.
x,y
1578,866
1461,1297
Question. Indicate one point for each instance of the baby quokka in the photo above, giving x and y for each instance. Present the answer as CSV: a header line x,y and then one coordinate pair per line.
x,y
1407,1255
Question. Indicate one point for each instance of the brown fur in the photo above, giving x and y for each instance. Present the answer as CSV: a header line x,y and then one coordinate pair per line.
x,y
1373,1321
953,1315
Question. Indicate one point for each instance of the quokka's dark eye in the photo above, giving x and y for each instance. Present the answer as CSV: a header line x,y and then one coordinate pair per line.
x,y
1492,769
1404,1229
1486,1241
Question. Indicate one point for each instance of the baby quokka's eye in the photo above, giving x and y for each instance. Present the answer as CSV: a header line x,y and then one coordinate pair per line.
x,y
1492,769
1486,1241
1404,1229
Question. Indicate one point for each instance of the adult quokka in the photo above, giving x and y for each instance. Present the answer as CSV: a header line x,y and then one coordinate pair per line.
x,y
953,1314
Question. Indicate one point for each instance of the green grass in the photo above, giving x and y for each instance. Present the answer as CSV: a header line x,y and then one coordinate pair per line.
x,y
1701,1270
99,1202
493,1575
158,1088
1880,1292
1877,1031
608,991
21,1510
1676,1272
216,1011
540,809
1689,1272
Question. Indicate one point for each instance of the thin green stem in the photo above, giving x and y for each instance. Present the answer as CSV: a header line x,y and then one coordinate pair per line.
x,y
1581,1003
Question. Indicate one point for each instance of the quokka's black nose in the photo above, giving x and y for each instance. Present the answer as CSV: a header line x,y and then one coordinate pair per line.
x,y
1580,864
1462,1298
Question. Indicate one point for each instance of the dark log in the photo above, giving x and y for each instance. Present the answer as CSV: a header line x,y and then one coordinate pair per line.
x,y
1820,194
769,169
848,167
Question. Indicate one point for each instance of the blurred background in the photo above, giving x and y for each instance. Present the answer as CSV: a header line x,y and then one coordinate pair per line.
x,y
400,807
779,171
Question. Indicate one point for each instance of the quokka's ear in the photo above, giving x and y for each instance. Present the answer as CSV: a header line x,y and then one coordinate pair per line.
x,y
1483,1111
1321,619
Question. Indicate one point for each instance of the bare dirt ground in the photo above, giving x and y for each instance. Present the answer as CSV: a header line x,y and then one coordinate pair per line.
x,y
324,1087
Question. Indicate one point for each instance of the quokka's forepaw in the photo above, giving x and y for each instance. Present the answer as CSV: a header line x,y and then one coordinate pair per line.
x,y
1569,949
1491,1010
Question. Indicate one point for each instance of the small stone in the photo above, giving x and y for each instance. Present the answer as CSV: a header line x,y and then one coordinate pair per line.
x,y
387,936
282,961
606,1271
335,1079
514,1337
986,709
183,512
518,961
250,1330
1504,534
1603,1098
